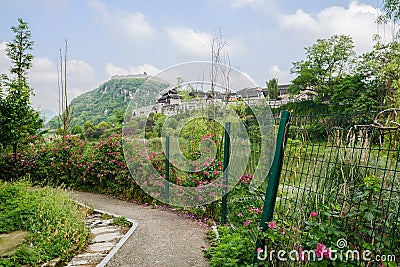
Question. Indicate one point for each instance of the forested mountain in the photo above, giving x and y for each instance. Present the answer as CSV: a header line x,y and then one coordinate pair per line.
x,y
108,102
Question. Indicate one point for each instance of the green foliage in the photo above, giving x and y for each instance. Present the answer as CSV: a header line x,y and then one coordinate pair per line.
x,y
385,58
327,61
121,221
391,12
322,229
197,131
17,117
347,91
55,224
103,126
231,249
76,130
308,107
98,167
272,87
18,52
347,83
88,125
108,102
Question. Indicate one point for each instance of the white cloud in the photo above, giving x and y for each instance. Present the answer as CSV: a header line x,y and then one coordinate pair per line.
x,y
59,5
299,20
275,72
269,6
75,92
241,3
43,79
43,72
80,73
112,70
127,25
4,61
198,44
190,41
357,20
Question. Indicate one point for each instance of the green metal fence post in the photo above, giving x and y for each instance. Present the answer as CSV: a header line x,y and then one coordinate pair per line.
x,y
226,173
275,171
274,175
167,170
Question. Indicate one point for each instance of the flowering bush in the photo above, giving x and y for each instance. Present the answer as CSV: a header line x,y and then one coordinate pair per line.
x,y
73,162
328,237
100,166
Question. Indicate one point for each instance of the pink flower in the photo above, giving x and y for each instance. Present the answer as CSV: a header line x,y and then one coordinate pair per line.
x,y
240,214
283,232
259,250
272,225
314,214
302,255
246,223
328,254
321,250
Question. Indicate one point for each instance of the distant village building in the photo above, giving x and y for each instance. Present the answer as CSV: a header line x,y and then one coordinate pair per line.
x,y
144,75
218,96
170,102
130,76
283,92
200,95
251,93
171,97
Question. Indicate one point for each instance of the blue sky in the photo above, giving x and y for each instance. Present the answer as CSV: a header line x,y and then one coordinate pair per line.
x,y
108,37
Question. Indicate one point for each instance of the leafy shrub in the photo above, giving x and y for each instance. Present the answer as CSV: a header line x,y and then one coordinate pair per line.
x,y
360,220
232,248
55,223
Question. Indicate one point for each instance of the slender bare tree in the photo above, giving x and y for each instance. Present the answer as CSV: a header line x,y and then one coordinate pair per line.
x,y
65,111
220,62
220,75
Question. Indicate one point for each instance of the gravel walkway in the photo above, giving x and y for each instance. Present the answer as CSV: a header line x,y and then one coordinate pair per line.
x,y
162,238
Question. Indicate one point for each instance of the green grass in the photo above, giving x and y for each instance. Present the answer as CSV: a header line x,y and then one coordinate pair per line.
x,y
121,221
56,224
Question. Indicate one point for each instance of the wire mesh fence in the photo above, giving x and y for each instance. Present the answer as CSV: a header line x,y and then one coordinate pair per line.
x,y
341,181
338,191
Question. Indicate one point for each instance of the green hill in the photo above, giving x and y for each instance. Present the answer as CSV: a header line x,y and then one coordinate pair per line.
x,y
108,102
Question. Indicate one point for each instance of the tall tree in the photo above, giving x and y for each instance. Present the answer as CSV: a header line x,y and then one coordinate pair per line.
x,y
272,87
17,117
382,65
327,61
391,14
18,52
387,55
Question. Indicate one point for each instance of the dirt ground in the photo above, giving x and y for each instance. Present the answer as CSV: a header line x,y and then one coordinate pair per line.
x,y
162,238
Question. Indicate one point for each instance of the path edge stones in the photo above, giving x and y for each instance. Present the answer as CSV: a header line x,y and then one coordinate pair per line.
x,y
121,242
123,239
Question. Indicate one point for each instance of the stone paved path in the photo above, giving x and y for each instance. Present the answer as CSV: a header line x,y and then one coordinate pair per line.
x,y
162,238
